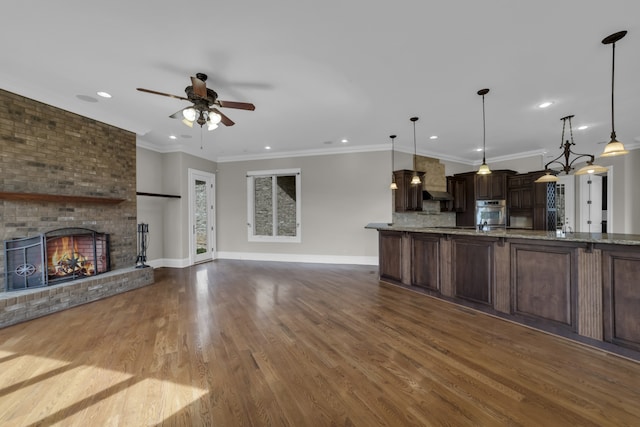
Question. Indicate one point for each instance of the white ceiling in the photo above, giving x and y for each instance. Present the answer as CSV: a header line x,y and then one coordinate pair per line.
x,y
322,71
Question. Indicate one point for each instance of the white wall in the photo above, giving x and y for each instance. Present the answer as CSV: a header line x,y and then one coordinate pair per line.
x,y
340,195
166,173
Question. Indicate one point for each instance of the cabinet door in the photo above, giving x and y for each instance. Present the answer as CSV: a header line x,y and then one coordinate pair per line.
x,y
526,198
515,198
390,255
498,186
425,261
483,187
457,189
473,275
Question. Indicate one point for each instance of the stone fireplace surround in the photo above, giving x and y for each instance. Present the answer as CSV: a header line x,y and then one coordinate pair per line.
x,y
59,169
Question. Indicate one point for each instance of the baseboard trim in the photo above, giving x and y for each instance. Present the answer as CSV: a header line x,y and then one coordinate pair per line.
x,y
315,259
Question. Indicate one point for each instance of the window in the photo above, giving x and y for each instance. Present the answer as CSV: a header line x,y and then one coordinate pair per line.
x,y
274,205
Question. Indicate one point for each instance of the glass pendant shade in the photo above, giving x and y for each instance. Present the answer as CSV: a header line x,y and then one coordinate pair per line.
x,y
484,169
393,186
187,122
548,177
415,180
591,169
613,148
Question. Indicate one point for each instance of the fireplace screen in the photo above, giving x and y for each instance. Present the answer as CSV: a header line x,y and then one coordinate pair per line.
x,y
55,256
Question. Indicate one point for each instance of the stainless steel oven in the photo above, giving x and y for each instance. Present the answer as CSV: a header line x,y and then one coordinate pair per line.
x,y
491,213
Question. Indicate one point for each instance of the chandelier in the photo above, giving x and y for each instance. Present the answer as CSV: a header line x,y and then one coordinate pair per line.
x,y
567,165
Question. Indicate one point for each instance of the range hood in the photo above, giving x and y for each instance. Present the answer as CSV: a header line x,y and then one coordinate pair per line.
x,y
436,195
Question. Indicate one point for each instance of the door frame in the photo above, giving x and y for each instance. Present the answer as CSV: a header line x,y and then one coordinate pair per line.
x,y
210,178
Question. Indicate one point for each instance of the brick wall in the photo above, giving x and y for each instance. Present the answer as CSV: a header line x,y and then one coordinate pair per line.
x,y
47,150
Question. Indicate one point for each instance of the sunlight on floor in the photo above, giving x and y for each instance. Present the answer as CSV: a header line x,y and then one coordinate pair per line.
x,y
37,390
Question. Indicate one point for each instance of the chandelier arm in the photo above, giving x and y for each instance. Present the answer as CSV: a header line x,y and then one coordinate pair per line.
x,y
579,156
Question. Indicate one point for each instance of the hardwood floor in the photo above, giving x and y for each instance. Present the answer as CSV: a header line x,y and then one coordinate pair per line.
x,y
236,343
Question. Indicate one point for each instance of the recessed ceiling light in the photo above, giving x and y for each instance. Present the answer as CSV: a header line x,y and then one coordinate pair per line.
x,y
433,137
267,148
173,137
545,104
104,94
344,141
583,127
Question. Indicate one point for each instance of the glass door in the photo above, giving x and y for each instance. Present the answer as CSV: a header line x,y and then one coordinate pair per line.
x,y
201,218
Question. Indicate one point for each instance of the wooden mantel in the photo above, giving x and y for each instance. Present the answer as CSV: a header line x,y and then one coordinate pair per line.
x,y
40,197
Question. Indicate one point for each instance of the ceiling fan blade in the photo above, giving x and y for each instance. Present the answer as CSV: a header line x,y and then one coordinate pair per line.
x,y
178,114
238,105
199,87
225,120
162,93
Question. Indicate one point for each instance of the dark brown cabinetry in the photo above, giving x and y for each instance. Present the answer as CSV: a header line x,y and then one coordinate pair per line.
x,y
390,255
408,197
425,261
492,186
531,204
546,293
457,187
621,269
473,275
468,187
520,192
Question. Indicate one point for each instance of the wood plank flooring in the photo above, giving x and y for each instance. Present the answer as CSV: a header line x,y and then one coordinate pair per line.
x,y
237,343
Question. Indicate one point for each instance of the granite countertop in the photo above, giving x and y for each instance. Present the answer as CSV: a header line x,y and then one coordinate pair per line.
x,y
607,238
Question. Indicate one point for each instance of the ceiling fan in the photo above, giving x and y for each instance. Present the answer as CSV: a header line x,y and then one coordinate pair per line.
x,y
205,100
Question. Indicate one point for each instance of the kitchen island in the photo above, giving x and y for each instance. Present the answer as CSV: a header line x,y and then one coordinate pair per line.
x,y
584,286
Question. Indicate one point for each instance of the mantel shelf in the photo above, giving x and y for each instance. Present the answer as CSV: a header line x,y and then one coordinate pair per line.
x,y
170,196
40,197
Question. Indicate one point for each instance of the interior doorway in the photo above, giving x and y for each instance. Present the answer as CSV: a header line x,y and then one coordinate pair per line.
x,y
201,216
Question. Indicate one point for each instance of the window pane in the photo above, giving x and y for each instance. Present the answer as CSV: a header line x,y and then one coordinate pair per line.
x,y
263,193
201,217
286,195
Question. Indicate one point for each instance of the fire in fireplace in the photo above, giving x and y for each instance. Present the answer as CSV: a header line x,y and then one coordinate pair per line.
x,y
55,256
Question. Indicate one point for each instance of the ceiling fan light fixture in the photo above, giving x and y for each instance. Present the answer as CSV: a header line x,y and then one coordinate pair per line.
x,y
189,114
187,122
212,126
214,117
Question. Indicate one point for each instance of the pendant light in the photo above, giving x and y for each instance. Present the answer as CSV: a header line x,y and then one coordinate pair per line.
x,y
567,152
393,185
416,179
613,147
484,168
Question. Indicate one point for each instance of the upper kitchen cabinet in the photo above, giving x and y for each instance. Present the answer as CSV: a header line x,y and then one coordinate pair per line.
x,y
493,186
457,187
408,197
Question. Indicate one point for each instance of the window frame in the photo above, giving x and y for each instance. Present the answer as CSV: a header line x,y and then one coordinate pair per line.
x,y
273,174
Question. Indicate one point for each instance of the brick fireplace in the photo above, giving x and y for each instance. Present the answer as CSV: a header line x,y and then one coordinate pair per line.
x,y
54,257
62,170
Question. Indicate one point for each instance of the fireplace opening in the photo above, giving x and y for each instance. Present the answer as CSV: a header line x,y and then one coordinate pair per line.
x,y
55,256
